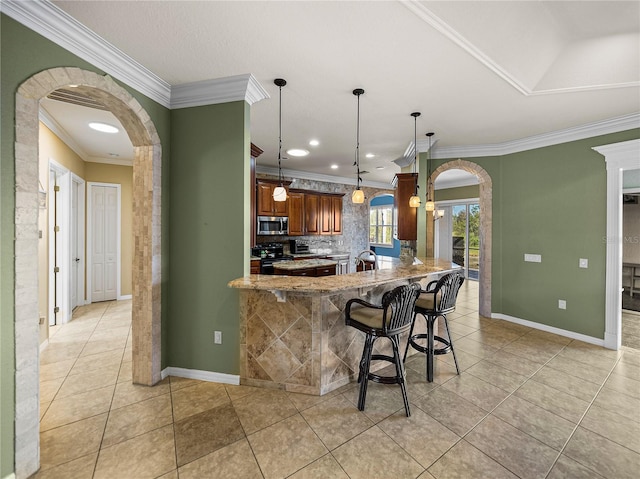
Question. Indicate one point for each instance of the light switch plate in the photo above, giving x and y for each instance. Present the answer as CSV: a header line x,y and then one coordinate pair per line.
x,y
562,304
583,263
533,258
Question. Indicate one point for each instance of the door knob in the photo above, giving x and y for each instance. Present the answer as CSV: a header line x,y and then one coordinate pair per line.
x,y
77,260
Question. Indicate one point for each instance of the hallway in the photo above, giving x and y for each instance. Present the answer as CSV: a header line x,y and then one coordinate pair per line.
x,y
527,404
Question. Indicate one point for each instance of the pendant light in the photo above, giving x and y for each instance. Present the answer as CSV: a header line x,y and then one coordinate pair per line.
x,y
414,201
358,195
429,205
279,192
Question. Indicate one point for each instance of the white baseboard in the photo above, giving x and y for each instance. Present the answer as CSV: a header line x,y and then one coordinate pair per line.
x,y
10,476
201,375
550,329
124,297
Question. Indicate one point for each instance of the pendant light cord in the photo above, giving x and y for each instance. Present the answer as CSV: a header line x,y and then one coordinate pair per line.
x,y
280,136
358,145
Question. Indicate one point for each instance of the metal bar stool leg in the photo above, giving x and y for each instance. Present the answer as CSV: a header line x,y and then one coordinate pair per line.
x,y
430,346
364,371
453,351
400,373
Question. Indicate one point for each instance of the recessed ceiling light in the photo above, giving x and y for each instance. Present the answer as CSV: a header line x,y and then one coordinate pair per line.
x,y
298,152
314,142
369,155
379,167
103,127
334,167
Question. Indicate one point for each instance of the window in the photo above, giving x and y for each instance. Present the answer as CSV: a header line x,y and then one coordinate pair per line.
x,y
381,221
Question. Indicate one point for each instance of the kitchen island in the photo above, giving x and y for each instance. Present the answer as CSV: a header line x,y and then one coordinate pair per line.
x,y
292,330
306,267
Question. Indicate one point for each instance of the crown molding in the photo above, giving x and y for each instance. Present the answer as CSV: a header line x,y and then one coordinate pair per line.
x,y
109,161
219,90
305,175
54,24
421,11
614,125
426,15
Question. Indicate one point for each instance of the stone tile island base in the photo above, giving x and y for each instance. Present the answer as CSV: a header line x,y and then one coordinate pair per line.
x,y
298,341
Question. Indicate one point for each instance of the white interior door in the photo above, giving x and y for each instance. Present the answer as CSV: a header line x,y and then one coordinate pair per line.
x,y
104,242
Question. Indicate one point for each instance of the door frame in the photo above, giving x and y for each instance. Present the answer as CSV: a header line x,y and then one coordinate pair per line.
x,y
448,204
80,225
89,271
63,180
618,158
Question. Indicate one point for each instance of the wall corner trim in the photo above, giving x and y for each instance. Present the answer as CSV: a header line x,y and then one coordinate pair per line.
x,y
209,376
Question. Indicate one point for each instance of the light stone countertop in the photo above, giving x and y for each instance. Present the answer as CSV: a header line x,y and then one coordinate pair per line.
x,y
343,282
303,264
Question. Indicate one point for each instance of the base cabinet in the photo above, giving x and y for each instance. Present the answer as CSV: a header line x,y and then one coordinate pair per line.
x,y
312,272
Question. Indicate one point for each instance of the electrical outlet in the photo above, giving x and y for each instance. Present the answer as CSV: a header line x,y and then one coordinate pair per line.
x,y
533,258
583,263
562,304
217,337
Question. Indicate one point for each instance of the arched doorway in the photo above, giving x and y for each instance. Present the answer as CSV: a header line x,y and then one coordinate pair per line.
x,y
146,277
484,181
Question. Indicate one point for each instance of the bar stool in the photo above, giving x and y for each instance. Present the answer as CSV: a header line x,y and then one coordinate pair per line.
x,y
388,320
436,301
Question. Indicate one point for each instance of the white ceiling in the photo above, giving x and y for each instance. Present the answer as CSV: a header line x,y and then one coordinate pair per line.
x,y
481,72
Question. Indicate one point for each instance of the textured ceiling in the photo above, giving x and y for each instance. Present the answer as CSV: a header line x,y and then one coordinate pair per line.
x,y
480,72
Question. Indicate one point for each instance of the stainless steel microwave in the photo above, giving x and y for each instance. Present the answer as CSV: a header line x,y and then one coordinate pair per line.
x,y
273,225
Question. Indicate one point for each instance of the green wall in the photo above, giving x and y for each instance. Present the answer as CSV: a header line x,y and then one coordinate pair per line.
x,y
209,234
551,201
24,53
460,193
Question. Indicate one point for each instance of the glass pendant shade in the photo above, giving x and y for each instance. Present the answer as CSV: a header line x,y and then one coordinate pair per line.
x,y
430,205
357,196
279,193
414,201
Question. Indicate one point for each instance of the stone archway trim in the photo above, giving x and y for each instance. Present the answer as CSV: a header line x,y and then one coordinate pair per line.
x,y
486,222
146,311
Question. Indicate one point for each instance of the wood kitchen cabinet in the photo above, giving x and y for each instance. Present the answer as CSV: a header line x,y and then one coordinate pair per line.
x,y
264,201
407,216
336,213
296,213
309,212
312,214
325,213
326,216
255,266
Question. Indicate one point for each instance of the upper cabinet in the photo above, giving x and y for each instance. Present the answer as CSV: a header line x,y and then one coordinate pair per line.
x,y
264,200
323,214
309,212
336,213
296,213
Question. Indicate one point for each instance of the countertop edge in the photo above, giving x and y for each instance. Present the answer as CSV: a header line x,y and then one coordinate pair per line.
x,y
336,284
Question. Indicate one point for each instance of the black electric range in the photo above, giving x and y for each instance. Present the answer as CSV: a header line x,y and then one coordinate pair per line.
x,y
269,253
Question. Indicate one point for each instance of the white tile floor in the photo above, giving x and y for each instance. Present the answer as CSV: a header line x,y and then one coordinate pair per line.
x,y
528,404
